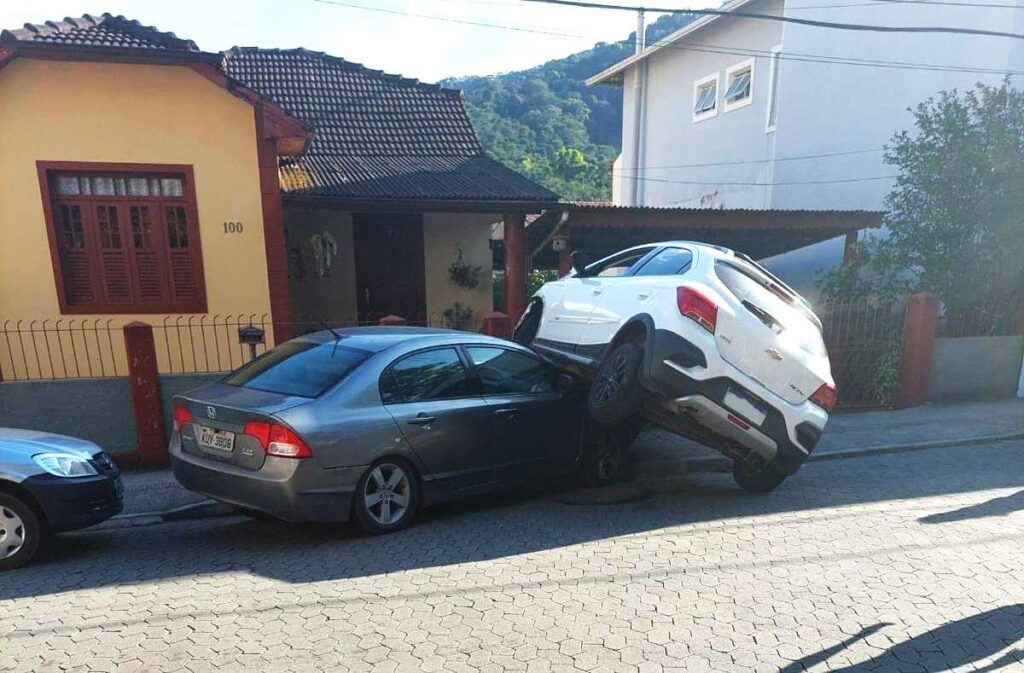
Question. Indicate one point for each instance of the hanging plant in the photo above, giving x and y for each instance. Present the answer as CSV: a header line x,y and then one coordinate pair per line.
x,y
462,274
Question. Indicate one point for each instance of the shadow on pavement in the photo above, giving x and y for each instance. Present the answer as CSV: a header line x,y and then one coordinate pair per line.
x,y
995,507
957,644
493,527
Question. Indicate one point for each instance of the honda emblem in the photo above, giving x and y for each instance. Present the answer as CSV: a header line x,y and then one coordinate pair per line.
x,y
211,413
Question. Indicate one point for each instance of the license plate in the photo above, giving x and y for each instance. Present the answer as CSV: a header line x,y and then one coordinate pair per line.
x,y
745,407
218,440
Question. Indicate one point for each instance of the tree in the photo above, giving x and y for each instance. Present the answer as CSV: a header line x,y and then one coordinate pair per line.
x,y
955,220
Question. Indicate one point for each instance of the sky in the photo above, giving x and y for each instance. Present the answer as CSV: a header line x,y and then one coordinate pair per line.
x,y
391,35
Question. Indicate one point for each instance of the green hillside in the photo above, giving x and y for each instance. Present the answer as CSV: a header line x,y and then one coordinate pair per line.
x,y
547,124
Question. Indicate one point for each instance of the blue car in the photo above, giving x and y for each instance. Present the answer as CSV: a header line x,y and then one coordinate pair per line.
x,y
48,484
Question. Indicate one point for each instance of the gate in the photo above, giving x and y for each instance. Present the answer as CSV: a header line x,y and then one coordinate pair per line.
x,y
864,340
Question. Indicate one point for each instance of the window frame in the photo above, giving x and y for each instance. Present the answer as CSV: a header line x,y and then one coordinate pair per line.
x,y
467,366
689,265
728,106
479,382
773,89
713,78
47,171
612,259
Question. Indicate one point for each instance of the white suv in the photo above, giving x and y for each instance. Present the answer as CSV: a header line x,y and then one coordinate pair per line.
x,y
702,340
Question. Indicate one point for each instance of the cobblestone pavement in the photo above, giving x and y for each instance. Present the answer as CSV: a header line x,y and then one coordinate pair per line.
x,y
908,562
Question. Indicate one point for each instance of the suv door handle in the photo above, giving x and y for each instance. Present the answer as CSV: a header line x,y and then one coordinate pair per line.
x,y
421,419
597,291
505,413
643,295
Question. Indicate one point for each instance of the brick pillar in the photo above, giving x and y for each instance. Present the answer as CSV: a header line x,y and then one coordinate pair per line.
x,y
282,313
392,321
515,264
497,324
144,383
918,346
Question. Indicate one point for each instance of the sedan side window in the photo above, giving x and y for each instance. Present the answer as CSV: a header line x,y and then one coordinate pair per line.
x,y
429,375
508,372
668,262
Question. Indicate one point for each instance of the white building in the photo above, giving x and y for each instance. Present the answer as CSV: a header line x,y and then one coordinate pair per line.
x,y
734,112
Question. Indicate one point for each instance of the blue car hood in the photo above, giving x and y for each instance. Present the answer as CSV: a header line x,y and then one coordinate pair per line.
x,y
26,443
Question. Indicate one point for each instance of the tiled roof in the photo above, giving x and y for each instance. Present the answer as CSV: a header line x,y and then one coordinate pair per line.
x,y
376,135
115,32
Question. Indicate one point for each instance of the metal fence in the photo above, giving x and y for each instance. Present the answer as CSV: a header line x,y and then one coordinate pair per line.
x,y
864,337
979,318
184,344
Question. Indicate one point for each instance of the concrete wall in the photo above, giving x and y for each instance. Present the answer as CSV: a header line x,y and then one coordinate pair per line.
x,y
975,368
331,296
99,410
443,235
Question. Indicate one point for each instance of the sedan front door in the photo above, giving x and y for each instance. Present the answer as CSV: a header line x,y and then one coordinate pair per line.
x,y
536,426
432,398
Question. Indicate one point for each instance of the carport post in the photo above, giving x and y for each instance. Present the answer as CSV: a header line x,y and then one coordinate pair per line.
x,y
515,265
144,383
918,345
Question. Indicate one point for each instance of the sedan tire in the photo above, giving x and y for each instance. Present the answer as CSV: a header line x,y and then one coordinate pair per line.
x,y
20,532
387,497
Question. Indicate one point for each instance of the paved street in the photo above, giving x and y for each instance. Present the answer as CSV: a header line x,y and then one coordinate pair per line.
x,y
909,562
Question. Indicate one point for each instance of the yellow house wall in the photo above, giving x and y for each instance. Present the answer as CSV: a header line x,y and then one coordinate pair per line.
x,y
104,112
443,235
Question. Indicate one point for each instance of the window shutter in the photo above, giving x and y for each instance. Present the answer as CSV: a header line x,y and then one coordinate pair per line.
x,y
117,284
74,257
184,283
149,275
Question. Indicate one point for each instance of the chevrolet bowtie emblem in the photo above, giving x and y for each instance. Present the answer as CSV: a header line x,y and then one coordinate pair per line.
x,y
774,354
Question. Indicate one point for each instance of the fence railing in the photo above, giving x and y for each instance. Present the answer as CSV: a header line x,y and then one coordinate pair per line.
x,y
976,319
864,337
184,344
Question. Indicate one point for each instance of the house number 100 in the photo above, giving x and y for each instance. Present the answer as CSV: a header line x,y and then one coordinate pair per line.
x,y
233,227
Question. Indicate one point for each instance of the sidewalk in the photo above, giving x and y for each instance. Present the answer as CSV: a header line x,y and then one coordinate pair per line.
x,y
658,453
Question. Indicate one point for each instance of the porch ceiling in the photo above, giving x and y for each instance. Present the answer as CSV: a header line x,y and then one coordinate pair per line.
x,y
600,230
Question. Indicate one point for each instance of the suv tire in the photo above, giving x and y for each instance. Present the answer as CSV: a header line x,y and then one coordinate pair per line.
x,y
757,478
21,531
615,393
526,330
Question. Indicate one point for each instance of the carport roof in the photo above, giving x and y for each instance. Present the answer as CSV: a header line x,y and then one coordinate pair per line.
x,y
601,229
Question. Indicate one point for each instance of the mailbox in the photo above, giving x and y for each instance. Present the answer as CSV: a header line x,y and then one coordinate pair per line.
x,y
251,336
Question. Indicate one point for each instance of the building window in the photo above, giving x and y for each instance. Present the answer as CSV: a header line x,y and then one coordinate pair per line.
x,y
739,81
124,241
705,97
773,88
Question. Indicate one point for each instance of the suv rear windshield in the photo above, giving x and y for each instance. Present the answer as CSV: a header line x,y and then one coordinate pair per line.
x,y
301,368
754,292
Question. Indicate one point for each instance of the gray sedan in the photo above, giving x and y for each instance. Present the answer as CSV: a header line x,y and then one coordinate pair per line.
x,y
376,422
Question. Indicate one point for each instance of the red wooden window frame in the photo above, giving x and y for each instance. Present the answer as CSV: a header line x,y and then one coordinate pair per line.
x,y
132,267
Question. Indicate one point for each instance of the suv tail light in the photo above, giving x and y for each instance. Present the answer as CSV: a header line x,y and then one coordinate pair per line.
x,y
277,440
181,415
826,397
697,307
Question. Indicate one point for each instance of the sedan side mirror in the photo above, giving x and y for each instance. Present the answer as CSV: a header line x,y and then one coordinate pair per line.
x,y
579,262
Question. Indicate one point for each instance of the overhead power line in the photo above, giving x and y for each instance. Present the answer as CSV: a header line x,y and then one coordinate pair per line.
x,y
803,157
837,25
727,183
716,49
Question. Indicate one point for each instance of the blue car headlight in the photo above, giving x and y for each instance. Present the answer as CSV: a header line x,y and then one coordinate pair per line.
x,y
64,464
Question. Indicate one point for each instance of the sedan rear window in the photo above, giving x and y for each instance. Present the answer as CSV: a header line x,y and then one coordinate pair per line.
x,y
301,368
771,304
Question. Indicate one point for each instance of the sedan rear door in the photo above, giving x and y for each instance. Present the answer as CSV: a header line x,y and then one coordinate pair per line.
x,y
430,395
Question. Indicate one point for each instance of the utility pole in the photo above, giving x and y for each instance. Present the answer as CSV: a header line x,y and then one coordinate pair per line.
x,y
638,95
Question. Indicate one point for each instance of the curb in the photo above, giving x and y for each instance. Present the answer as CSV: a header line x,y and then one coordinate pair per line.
x,y
208,509
715,464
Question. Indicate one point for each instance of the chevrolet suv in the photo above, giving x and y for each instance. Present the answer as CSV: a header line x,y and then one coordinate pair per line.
x,y
701,340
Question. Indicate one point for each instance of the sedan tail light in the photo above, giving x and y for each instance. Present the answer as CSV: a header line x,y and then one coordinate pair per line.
x,y
277,440
181,415
697,307
826,397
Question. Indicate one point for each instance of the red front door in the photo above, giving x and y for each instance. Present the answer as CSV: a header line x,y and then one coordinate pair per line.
x,y
389,266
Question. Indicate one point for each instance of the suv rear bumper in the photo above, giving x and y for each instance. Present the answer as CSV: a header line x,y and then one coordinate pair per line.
x,y
703,400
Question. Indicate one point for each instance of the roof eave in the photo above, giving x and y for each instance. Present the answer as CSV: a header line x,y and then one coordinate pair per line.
x,y
614,73
13,49
418,205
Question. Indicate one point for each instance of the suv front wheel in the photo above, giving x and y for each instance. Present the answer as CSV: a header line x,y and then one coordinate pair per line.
x,y
615,393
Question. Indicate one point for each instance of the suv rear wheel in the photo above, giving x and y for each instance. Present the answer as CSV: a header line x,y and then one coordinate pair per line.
x,y
615,393
757,476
